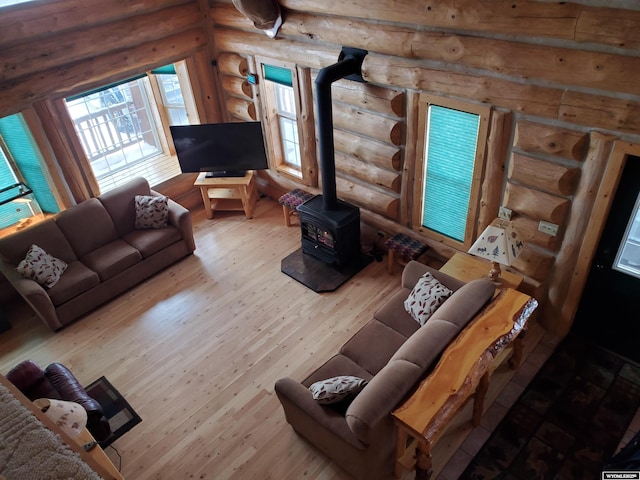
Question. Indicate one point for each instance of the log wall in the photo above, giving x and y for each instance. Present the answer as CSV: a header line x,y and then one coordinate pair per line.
x,y
51,50
560,78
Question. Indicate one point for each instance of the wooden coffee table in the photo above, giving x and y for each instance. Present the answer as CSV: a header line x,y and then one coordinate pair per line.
x,y
462,372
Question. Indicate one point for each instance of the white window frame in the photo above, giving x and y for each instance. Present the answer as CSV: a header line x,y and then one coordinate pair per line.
x,y
274,138
163,165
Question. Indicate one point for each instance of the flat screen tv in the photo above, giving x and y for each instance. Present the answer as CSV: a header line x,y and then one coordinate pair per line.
x,y
220,149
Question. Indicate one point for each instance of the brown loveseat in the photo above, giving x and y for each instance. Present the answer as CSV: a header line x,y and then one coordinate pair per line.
x,y
104,252
393,353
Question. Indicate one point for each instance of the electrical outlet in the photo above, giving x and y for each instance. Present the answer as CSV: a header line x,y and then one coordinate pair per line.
x,y
504,213
548,228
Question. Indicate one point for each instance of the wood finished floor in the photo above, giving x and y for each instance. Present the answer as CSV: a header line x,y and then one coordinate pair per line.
x,y
197,349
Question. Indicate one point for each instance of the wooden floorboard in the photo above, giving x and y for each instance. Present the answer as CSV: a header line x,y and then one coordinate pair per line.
x,y
197,349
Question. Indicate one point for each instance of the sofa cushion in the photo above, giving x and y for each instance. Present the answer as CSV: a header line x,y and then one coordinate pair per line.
x,y
120,203
372,346
46,234
76,280
335,366
38,265
87,226
150,241
426,345
466,302
151,211
425,298
380,397
336,389
393,314
111,259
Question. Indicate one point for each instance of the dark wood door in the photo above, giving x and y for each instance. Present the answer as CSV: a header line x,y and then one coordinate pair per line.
x,y
609,311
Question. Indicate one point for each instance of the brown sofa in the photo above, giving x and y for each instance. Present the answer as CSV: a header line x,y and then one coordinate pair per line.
x,y
106,255
393,353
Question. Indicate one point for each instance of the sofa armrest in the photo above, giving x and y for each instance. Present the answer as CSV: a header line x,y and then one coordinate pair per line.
x,y
180,218
302,410
68,388
26,376
33,293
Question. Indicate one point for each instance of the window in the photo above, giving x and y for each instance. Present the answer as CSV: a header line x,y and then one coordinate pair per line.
x,y
285,126
21,161
124,127
452,141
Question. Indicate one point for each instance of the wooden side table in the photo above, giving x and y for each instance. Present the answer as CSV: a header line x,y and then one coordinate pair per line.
x,y
463,371
228,193
467,267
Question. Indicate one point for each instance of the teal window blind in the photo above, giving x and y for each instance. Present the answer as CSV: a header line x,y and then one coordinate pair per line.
x,y
279,75
450,151
27,157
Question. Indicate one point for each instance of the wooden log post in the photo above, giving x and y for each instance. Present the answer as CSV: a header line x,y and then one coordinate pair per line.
x,y
574,259
500,126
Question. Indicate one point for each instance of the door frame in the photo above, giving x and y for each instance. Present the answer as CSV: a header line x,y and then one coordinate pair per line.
x,y
599,214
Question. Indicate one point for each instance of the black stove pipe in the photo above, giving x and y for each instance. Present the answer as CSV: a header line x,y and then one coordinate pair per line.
x,y
349,65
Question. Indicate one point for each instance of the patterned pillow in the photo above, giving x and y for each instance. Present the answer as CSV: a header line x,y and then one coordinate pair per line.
x,y
151,211
38,265
427,295
336,389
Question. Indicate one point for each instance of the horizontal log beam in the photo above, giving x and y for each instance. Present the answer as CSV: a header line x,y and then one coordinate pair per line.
x,y
602,112
366,172
236,86
527,18
248,43
371,199
368,150
535,204
549,177
609,26
562,142
233,64
528,230
98,71
239,108
370,97
44,54
40,19
554,65
376,126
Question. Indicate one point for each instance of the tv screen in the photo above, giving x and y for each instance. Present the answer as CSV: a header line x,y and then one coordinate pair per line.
x,y
220,149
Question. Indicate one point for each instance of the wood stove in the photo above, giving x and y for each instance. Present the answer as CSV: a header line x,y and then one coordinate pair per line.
x,y
332,236
330,228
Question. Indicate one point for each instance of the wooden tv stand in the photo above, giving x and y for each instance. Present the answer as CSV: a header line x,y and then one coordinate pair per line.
x,y
228,193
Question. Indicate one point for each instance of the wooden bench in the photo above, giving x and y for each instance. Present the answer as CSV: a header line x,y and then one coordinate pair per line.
x,y
405,247
290,202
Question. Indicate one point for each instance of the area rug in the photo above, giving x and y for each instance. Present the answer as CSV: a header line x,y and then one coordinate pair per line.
x,y
121,416
29,450
569,420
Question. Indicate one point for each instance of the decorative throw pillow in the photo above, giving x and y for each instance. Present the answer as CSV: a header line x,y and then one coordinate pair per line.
x,y
38,265
427,295
336,389
151,211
